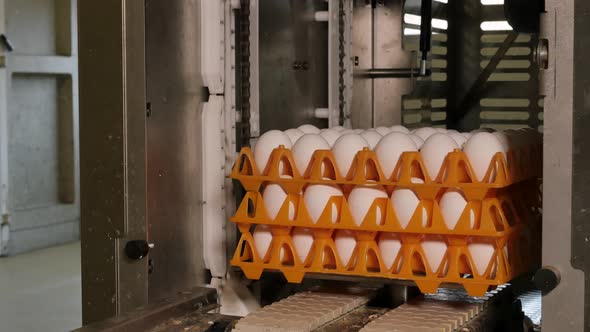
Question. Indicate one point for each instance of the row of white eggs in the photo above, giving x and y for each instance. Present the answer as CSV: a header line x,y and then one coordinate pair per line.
x,y
434,144
389,247
404,202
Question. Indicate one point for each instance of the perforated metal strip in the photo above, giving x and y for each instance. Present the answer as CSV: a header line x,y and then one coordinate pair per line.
x,y
303,312
445,311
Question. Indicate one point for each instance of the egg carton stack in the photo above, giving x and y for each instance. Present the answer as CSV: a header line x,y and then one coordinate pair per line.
x,y
432,205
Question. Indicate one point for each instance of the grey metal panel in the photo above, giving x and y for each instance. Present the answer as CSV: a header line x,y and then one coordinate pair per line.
x,y
564,307
31,25
362,51
175,93
378,43
43,98
112,155
389,52
288,33
33,114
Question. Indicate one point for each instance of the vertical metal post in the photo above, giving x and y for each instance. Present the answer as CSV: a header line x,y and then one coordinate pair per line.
x,y
425,33
4,213
565,148
464,47
112,155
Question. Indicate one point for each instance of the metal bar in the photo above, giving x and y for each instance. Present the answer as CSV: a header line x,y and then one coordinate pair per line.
x,y
389,73
112,155
174,151
61,65
4,212
581,146
148,317
565,143
425,33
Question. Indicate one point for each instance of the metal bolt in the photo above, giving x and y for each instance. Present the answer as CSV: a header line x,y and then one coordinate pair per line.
x,y
546,279
541,54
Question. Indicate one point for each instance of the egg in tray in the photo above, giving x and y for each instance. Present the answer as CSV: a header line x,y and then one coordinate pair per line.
x,y
432,205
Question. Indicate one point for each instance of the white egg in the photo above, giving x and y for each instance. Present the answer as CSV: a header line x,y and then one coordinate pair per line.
x,y
452,131
262,238
309,129
360,200
345,242
274,197
441,130
302,240
316,197
338,128
345,149
435,251
467,135
435,150
383,130
358,131
481,253
459,139
294,134
371,129
399,129
304,149
346,132
372,137
404,203
330,135
266,144
390,149
480,149
416,180
424,133
452,204
389,247
419,142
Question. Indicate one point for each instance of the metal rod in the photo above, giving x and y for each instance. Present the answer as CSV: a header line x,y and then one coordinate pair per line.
x,y
425,33
389,73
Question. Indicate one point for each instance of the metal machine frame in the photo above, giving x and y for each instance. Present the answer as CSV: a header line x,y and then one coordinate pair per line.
x,y
141,98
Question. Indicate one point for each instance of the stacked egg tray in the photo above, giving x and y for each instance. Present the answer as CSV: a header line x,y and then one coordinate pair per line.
x,y
506,204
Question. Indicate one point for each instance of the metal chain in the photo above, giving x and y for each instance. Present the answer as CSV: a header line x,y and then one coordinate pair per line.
x,y
341,56
244,67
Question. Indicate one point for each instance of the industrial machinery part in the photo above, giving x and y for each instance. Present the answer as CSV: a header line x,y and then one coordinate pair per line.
x,y
523,15
190,308
304,311
137,249
447,310
546,279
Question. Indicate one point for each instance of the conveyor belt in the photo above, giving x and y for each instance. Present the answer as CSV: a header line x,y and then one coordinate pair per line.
x,y
447,310
303,312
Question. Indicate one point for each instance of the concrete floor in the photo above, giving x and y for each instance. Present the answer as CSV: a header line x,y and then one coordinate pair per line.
x,y
41,290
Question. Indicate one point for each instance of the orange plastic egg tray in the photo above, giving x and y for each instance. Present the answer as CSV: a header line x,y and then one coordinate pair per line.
x,y
493,216
456,171
506,205
511,257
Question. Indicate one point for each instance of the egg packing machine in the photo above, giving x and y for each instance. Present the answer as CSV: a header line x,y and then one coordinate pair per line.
x,y
171,91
